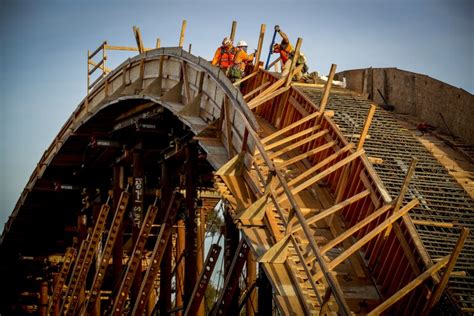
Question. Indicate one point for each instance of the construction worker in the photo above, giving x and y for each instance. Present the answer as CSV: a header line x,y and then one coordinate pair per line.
x,y
224,56
286,52
241,61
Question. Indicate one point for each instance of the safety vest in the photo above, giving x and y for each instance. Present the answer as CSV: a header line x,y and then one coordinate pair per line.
x,y
285,52
226,58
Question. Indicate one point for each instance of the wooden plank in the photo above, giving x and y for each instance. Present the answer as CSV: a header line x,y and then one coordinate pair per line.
x,y
351,231
138,38
333,209
409,287
435,297
298,144
158,43
320,164
325,173
181,35
238,82
290,127
293,62
254,103
327,89
258,89
292,137
306,154
298,106
368,120
403,190
361,242
232,31
259,47
432,223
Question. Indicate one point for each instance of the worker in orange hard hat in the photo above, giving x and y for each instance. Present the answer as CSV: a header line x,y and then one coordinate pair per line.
x,y
286,52
224,56
241,60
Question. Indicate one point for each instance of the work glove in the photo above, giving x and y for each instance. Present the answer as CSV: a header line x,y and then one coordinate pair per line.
x,y
277,28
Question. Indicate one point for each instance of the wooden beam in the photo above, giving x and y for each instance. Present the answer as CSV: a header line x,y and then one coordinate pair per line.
x,y
409,287
293,61
320,164
259,47
449,268
403,191
366,127
254,103
181,36
292,137
333,209
232,31
298,144
189,48
277,84
327,89
306,154
158,43
326,172
238,82
368,237
138,38
290,127
432,223
258,89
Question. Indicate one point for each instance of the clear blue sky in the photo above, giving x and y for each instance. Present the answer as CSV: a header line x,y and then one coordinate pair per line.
x,y
44,44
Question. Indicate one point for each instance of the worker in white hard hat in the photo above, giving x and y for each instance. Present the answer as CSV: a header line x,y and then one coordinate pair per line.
x,y
241,61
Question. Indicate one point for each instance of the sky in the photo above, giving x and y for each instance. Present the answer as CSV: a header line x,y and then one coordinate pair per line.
x,y
43,47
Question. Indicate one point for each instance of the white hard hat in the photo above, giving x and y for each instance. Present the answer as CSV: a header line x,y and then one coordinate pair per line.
x,y
242,43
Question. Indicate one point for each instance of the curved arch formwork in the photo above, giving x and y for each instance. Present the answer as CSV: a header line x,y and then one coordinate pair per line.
x,y
310,208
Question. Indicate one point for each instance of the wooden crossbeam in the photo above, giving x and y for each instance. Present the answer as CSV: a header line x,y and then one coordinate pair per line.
x,y
306,154
368,237
254,103
351,231
257,89
290,127
333,209
322,174
409,287
298,144
273,87
320,164
435,297
292,137
238,82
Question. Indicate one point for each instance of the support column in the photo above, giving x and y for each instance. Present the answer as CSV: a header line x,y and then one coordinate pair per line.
x,y
194,236
118,179
137,211
265,294
251,305
180,261
43,303
231,243
164,303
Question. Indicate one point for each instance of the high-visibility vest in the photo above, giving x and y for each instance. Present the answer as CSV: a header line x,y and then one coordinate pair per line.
x,y
226,58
